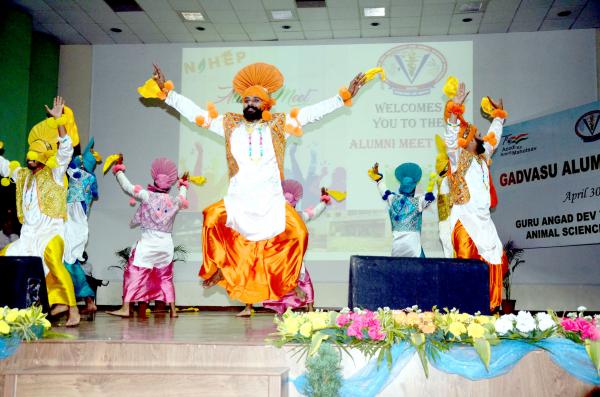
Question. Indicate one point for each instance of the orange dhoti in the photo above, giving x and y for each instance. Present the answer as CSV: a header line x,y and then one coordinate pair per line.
x,y
465,248
253,271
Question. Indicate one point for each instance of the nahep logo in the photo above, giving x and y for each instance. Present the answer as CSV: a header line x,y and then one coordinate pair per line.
x,y
514,139
413,69
512,144
587,126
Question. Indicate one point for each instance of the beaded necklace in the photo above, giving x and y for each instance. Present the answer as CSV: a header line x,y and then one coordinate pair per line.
x,y
250,127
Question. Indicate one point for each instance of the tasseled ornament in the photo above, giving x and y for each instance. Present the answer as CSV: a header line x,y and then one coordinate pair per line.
x,y
132,201
266,115
346,96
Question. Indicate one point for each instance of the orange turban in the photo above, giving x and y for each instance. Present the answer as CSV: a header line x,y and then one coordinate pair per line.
x,y
259,80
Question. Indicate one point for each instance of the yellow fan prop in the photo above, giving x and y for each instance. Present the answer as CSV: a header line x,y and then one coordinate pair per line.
x,y
371,73
150,89
336,195
197,180
451,87
110,161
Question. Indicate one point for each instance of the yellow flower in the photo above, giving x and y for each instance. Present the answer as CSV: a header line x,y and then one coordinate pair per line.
x,y
482,319
457,328
412,318
290,326
427,328
4,328
306,329
428,316
399,317
464,317
46,323
318,320
475,330
12,315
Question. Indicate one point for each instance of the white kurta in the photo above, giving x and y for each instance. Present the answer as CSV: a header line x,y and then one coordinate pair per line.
x,y
38,229
404,243
76,233
155,248
475,214
254,201
445,228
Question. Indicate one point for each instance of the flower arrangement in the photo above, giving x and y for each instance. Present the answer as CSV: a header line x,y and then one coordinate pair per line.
x,y
20,324
583,329
26,324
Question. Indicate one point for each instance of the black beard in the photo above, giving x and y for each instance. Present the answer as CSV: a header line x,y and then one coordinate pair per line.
x,y
480,149
252,115
31,166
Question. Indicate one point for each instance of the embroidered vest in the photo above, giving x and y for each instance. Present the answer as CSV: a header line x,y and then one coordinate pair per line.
x,y
444,203
405,215
52,198
158,213
80,189
459,190
232,120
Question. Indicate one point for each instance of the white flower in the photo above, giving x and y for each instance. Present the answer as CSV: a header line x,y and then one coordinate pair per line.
x,y
345,310
525,322
504,324
581,308
545,321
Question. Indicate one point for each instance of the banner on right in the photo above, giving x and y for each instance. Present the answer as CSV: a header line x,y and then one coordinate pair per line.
x,y
547,175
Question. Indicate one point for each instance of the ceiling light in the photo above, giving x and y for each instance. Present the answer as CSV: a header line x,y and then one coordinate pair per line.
x,y
286,27
565,13
374,23
192,16
467,19
200,28
374,12
116,30
282,15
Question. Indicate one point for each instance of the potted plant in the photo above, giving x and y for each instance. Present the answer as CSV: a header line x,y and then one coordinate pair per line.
x,y
514,255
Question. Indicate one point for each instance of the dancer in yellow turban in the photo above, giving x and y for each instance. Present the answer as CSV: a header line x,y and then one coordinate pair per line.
x,y
42,203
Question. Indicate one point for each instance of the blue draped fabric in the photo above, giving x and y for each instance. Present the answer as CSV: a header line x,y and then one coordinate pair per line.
x,y
464,361
8,346
571,357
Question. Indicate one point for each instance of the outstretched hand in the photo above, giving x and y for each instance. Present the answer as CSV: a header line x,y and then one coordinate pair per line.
x,y
357,82
461,94
496,105
57,108
158,76
185,176
375,174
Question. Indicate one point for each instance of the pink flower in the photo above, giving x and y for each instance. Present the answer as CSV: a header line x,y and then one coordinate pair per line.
x,y
342,319
375,333
569,325
591,333
355,330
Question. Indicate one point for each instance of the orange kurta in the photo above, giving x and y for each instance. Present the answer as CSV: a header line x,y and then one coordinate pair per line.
x,y
253,271
465,248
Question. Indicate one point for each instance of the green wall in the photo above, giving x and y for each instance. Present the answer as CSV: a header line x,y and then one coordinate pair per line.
x,y
28,79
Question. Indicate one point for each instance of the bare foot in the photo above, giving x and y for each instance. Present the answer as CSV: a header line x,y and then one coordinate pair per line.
x,y
213,280
247,312
122,312
299,293
59,310
74,318
310,307
90,306
173,311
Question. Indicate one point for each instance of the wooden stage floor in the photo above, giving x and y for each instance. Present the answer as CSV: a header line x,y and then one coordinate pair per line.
x,y
190,327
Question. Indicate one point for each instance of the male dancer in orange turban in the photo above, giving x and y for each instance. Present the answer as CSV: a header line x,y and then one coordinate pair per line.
x,y
253,242
474,235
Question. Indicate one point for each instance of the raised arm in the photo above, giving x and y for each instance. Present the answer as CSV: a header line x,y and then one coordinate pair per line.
x,y
310,214
385,193
312,113
187,108
454,108
65,145
136,191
